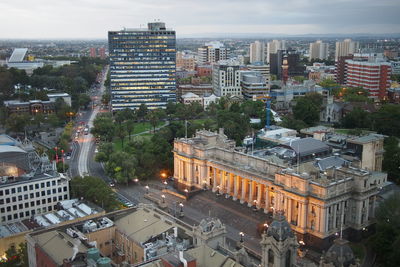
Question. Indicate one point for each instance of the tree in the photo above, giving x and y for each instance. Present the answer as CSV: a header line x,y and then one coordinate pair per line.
x,y
357,118
387,120
105,99
386,240
306,110
130,126
103,127
17,122
291,123
153,118
84,100
171,108
142,111
6,82
94,190
121,166
17,257
121,133
391,159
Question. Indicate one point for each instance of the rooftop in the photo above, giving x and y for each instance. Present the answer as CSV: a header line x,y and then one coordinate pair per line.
x,y
12,229
18,55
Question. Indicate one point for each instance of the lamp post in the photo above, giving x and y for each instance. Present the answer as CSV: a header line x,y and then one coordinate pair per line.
x,y
255,205
217,190
186,193
241,234
147,189
163,198
166,184
181,209
265,227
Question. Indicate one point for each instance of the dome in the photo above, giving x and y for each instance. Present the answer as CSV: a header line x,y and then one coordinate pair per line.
x,y
340,253
280,228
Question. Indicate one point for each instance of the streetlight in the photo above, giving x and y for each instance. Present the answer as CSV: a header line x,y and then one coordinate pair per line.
x,y
255,205
147,189
186,192
163,175
217,190
265,227
163,198
241,234
166,184
136,180
204,185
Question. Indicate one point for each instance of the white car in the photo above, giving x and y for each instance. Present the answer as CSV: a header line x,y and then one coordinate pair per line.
x,y
96,151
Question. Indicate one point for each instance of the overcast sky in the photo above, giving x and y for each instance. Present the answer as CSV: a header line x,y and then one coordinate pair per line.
x,y
93,18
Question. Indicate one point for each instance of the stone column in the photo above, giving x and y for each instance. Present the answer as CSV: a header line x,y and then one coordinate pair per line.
x,y
267,204
244,189
228,188
235,186
251,194
304,216
334,226
322,221
289,210
259,195
214,180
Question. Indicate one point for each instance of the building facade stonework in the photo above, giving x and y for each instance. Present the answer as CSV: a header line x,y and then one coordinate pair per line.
x,y
316,205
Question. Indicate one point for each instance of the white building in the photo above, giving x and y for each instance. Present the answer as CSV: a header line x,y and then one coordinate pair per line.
x,y
66,97
212,52
29,183
345,48
257,52
226,79
263,69
189,98
318,50
274,46
207,100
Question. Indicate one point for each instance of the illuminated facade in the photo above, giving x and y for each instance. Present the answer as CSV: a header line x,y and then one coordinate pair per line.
x,y
142,66
315,203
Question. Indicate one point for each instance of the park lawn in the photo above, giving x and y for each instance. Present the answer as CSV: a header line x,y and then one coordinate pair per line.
x,y
350,131
145,126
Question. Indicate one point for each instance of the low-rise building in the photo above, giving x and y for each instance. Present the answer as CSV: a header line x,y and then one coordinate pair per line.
x,y
64,96
31,107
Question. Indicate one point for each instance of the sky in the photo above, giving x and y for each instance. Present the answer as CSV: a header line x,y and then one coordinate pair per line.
x,y
27,19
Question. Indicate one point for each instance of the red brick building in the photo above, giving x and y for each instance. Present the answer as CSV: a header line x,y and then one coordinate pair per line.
x,y
374,77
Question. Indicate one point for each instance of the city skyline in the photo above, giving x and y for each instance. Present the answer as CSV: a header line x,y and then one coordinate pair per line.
x,y
92,19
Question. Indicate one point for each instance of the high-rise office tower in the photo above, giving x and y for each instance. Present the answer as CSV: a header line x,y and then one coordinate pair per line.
x,y
212,52
345,48
318,50
257,52
142,66
273,47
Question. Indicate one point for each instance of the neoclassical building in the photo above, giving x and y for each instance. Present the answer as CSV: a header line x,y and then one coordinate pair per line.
x,y
318,197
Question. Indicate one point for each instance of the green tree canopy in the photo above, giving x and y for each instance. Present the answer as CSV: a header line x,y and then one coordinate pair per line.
x,y
95,190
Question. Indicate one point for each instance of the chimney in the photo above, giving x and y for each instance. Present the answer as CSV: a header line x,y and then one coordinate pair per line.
x,y
182,259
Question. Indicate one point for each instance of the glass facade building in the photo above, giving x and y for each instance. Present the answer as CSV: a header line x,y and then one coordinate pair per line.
x,y
142,67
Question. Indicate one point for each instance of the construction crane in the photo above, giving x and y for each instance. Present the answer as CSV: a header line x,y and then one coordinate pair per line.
x,y
267,100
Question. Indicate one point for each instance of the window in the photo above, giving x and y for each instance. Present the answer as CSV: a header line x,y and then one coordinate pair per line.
x,y
31,187
48,184
12,190
54,199
49,192
25,188
14,207
2,210
26,197
43,193
43,201
54,190
7,191
8,200
9,217
14,199
53,183
26,205
32,203
16,216
37,202
21,214
36,186
65,189
19,198
31,195
1,193
20,206
59,198
42,185
65,197
37,194
27,213
9,208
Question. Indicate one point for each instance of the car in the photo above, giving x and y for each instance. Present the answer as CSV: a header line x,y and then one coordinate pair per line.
x,y
96,151
111,184
68,157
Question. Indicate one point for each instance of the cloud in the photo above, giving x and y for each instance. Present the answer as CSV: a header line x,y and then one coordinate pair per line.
x,y
93,18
